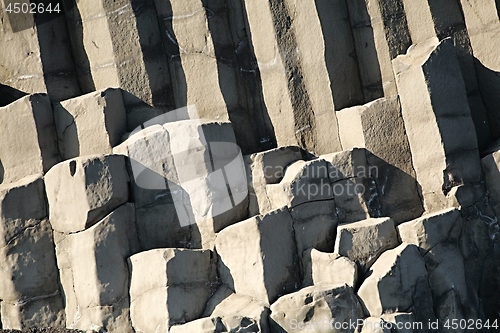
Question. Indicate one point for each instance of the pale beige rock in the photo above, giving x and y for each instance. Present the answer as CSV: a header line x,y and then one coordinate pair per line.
x,y
193,61
437,120
90,124
169,286
304,181
83,190
134,63
432,229
374,325
378,126
188,170
364,241
380,33
29,142
46,311
94,273
257,257
22,205
28,60
295,84
328,268
20,280
396,282
316,308
315,225
264,168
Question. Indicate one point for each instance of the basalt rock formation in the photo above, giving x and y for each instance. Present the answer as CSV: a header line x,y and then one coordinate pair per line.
x,y
203,166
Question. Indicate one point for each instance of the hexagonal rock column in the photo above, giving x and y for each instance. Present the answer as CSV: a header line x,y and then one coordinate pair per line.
x,y
94,273
188,181
118,44
397,281
437,120
257,257
380,33
29,142
190,50
169,286
324,308
364,241
296,86
90,124
29,287
378,126
83,190
36,56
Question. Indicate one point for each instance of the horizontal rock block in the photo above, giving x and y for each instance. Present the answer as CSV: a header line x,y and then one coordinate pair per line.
x,y
315,225
378,127
430,230
265,168
43,311
94,273
328,269
364,241
169,286
90,124
437,120
83,190
257,257
397,281
196,169
319,308
29,141
303,182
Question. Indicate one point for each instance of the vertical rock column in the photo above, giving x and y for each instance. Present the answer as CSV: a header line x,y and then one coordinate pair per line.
x,y
288,41
483,25
28,59
437,120
29,287
28,137
190,50
442,19
94,233
118,44
380,33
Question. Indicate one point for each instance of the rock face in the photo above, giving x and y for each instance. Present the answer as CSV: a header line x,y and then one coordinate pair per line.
x,y
255,166
169,286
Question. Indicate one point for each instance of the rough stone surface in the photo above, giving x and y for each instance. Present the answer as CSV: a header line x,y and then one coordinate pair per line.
x,y
328,268
83,190
29,142
363,242
314,306
435,112
94,273
432,229
397,281
257,257
169,286
90,124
